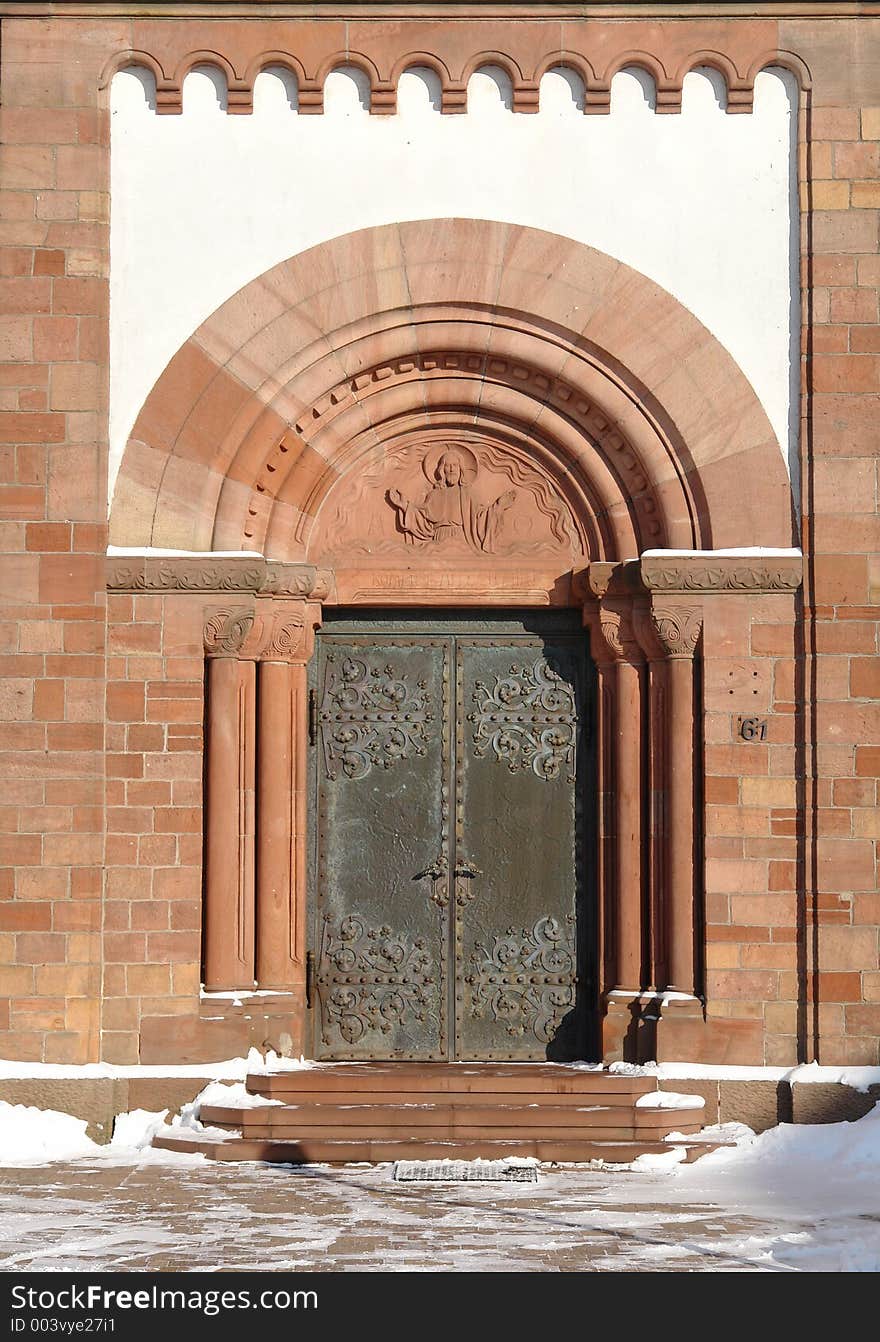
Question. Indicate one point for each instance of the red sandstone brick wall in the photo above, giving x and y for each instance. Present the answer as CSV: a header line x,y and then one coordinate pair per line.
x,y
152,908
53,484
843,430
751,845
101,853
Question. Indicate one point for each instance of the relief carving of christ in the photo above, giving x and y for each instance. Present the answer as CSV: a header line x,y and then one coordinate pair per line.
x,y
448,514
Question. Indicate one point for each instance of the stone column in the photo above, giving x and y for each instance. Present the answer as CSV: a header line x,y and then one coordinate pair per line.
x,y
620,664
229,802
604,800
257,739
655,783
281,797
627,765
678,629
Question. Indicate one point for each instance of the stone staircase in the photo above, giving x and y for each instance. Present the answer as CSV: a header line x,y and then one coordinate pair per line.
x,y
337,1113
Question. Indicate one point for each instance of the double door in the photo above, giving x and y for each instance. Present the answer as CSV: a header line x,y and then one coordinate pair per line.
x,y
451,827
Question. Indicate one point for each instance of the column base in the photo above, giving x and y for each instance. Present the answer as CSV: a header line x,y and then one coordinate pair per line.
x,y
625,1034
222,1030
651,1026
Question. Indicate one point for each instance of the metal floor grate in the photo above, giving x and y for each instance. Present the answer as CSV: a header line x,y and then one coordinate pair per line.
x,y
465,1171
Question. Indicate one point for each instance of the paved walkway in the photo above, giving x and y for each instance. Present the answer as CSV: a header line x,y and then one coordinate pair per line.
x,y
183,1214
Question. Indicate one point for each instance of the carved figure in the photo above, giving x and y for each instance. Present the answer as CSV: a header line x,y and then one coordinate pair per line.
x,y
449,514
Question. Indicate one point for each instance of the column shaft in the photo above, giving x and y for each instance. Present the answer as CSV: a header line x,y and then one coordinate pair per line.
x,y
281,805
229,830
628,850
680,834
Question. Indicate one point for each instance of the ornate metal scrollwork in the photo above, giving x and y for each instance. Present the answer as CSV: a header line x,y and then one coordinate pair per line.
x,y
369,716
369,979
527,979
528,719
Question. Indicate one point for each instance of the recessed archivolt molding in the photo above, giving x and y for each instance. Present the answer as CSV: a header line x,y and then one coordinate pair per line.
x,y
525,83
643,417
579,435
556,393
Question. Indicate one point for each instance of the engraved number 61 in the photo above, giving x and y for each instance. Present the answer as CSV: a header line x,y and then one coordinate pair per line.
x,y
753,729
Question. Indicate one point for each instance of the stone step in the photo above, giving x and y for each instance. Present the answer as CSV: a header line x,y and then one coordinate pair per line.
x,y
338,1113
375,1150
437,1115
463,1078
454,1132
461,1098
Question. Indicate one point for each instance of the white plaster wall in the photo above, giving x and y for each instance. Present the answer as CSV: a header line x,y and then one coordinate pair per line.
x,y
702,202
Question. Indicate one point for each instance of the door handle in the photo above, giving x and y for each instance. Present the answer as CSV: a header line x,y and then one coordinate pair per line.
x,y
439,874
464,873
310,978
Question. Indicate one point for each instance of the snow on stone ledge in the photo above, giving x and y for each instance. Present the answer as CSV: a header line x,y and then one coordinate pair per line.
x,y
231,1069
858,1078
669,1099
233,1096
743,552
152,552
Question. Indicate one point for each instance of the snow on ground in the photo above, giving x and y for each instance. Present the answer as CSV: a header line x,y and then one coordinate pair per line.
x,y
34,1136
796,1198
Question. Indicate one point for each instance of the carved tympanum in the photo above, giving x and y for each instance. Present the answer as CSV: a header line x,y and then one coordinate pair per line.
x,y
528,719
526,979
370,978
447,502
449,513
370,717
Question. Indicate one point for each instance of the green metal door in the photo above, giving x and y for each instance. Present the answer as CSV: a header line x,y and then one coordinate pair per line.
x,y
451,810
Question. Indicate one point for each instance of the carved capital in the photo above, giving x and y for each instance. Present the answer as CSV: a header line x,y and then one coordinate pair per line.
x,y
284,640
229,631
290,631
276,632
615,623
677,629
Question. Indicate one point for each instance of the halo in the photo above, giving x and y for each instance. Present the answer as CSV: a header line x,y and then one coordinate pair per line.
x,y
470,466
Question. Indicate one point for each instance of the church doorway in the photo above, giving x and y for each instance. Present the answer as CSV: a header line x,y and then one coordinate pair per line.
x,y
452,826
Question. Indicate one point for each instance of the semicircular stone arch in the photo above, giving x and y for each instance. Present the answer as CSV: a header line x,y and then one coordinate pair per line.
x,y
591,416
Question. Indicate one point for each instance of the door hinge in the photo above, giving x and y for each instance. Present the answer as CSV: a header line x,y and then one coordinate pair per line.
x,y
310,977
313,717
